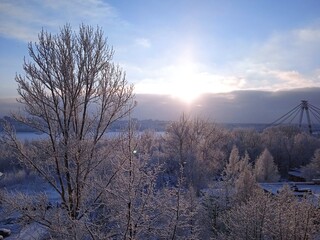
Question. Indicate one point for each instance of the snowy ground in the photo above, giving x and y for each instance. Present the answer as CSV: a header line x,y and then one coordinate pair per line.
x,y
30,185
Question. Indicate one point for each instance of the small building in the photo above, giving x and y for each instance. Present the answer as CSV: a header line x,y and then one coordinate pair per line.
x,y
295,175
299,189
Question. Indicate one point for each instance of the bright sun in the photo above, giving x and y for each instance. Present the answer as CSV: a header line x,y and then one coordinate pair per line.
x,y
189,81
185,82
186,92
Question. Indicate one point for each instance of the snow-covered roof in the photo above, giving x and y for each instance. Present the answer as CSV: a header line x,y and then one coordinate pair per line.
x,y
296,173
299,188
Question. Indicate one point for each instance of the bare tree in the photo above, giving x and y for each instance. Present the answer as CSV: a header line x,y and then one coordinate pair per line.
x,y
132,207
247,140
72,92
197,145
179,209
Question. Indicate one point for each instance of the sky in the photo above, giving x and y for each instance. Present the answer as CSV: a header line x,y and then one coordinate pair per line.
x,y
181,48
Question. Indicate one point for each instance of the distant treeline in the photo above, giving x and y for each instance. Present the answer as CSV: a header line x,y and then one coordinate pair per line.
x,y
120,125
142,125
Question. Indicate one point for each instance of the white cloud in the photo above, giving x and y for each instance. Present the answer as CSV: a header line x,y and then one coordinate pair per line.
x,y
294,50
286,60
274,80
16,19
310,34
143,42
14,30
88,10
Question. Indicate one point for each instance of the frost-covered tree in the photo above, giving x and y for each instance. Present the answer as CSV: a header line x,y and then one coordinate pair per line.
x,y
239,181
312,170
247,220
304,148
280,141
247,140
245,183
136,206
196,144
231,170
130,201
179,209
208,141
71,92
264,216
214,202
265,169
293,218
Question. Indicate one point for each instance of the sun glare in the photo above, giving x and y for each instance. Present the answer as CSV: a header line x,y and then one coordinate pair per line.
x,y
185,85
186,92
186,80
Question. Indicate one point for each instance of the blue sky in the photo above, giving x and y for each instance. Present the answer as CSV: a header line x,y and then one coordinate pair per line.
x,y
184,47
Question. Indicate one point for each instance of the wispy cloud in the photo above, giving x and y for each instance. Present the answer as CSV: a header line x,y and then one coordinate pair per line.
x,y
18,19
23,20
298,48
143,42
286,60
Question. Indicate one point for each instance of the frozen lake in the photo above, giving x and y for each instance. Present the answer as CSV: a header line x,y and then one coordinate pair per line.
x,y
36,136
29,136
